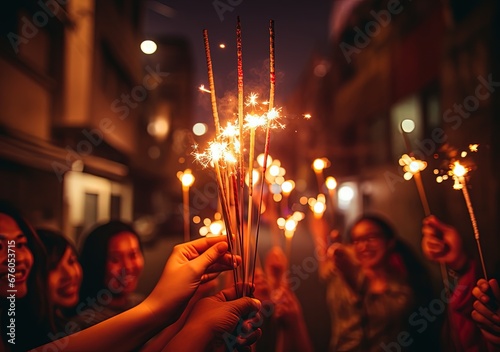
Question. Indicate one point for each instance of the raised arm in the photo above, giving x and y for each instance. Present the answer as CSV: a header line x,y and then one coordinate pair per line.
x,y
189,265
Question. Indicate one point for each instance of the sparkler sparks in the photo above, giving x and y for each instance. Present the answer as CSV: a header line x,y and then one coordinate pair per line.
x,y
225,154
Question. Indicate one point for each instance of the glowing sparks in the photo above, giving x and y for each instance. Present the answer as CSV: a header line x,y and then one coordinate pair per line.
x,y
473,147
203,89
307,116
411,166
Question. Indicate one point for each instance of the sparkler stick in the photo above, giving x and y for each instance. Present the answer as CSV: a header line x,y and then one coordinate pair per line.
x,y
414,166
241,166
272,85
459,172
211,83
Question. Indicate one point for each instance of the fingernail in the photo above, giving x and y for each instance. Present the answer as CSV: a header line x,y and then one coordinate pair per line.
x,y
484,299
256,301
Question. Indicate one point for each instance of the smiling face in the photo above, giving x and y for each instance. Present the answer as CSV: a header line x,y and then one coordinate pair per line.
x,y
65,280
124,263
370,244
16,259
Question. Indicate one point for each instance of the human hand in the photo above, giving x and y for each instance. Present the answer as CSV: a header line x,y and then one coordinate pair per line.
x,y
485,314
189,265
218,320
345,262
442,243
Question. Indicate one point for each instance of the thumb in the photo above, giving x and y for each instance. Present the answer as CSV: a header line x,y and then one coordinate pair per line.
x,y
245,305
210,256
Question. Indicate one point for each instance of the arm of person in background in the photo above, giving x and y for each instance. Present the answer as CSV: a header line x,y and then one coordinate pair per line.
x,y
442,243
219,320
292,332
319,230
189,265
486,315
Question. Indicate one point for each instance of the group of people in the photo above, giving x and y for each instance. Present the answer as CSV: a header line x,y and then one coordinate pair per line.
x,y
55,297
54,300
380,297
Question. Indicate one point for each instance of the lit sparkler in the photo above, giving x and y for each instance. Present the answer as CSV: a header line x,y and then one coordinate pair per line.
x,y
225,154
458,172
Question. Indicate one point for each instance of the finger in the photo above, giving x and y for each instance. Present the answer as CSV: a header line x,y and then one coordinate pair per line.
x,y
494,287
210,256
202,244
494,338
225,262
230,293
250,338
484,323
486,312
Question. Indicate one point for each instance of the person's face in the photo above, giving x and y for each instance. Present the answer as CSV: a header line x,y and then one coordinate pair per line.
x,y
65,280
124,263
369,244
16,258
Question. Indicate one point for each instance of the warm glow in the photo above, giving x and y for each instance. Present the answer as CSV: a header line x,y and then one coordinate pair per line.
x,y
222,45
199,129
407,125
459,170
290,224
274,170
307,116
319,208
203,89
216,227
319,165
331,183
260,160
346,193
473,147
287,187
148,47
186,177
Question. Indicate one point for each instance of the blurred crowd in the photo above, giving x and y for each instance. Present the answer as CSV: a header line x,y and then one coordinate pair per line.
x,y
56,296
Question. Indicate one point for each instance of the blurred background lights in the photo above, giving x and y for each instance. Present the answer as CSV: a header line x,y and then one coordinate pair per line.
x,y
408,125
199,129
148,47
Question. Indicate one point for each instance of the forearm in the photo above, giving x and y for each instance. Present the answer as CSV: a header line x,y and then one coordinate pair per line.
x,y
189,338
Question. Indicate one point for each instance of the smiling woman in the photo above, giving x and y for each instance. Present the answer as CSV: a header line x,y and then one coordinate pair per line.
x,y
24,309
112,262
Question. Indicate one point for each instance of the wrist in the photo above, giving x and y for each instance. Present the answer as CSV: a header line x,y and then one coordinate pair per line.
x,y
460,265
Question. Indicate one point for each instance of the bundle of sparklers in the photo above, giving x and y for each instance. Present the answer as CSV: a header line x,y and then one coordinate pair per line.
x,y
231,154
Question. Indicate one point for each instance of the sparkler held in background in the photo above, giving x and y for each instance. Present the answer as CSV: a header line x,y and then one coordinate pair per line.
x,y
412,168
225,154
187,180
458,171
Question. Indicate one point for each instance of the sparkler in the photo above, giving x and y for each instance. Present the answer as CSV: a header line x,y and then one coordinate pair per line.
x,y
412,168
459,172
226,155
187,180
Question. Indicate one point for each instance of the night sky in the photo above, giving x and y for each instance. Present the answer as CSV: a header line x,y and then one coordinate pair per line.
x,y
300,28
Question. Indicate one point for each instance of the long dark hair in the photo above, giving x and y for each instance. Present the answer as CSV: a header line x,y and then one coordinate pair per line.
x,y
34,318
55,245
404,261
94,252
